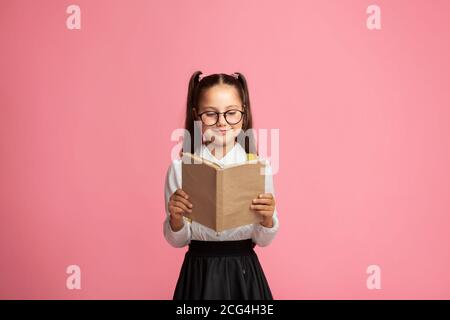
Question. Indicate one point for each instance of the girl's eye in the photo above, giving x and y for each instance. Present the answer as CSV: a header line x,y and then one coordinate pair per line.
x,y
232,113
210,114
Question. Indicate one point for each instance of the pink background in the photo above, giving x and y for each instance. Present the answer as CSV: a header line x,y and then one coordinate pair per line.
x,y
86,118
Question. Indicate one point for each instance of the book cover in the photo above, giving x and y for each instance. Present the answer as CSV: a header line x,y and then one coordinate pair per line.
x,y
221,195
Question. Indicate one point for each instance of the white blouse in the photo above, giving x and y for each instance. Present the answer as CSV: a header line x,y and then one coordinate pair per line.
x,y
261,235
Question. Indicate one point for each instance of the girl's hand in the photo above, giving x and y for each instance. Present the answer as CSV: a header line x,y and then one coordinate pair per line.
x,y
265,206
178,204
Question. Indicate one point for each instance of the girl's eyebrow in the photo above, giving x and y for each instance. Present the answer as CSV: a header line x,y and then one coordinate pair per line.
x,y
230,106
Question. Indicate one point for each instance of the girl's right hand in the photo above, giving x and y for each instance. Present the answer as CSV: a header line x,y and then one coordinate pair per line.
x,y
179,204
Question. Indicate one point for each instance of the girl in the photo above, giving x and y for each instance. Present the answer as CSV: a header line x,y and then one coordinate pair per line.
x,y
219,265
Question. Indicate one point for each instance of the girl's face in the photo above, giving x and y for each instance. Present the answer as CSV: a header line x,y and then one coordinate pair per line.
x,y
220,98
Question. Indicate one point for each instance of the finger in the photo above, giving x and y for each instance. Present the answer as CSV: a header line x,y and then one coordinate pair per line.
x,y
175,211
265,195
265,213
182,199
262,201
180,192
261,207
181,205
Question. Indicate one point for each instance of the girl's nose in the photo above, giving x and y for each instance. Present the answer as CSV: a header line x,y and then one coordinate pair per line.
x,y
222,120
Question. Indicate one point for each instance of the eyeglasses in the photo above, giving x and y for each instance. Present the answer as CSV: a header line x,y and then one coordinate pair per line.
x,y
232,117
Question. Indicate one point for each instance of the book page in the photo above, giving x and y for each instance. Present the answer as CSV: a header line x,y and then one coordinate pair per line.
x,y
199,182
239,186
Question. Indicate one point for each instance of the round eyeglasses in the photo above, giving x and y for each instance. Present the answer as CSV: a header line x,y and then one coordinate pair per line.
x,y
232,117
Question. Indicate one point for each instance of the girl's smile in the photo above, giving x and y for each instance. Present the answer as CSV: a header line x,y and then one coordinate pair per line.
x,y
222,131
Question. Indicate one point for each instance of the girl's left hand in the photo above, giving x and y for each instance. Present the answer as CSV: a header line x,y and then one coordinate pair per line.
x,y
265,206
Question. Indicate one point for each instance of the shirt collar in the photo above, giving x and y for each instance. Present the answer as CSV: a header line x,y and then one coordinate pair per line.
x,y
235,155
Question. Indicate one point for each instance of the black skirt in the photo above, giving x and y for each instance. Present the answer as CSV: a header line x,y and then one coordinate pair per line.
x,y
225,270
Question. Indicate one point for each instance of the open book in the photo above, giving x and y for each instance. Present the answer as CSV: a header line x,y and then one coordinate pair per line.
x,y
221,196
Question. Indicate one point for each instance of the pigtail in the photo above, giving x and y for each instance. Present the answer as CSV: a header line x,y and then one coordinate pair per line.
x,y
193,83
245,98
250,146
188,141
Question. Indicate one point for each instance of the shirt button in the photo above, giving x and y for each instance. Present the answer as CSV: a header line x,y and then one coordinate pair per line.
x,y
217,234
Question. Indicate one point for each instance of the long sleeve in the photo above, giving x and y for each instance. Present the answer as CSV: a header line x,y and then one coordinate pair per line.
x,y
263,236
181,237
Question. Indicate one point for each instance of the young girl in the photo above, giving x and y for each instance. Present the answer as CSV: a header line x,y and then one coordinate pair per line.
x,y
219,265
